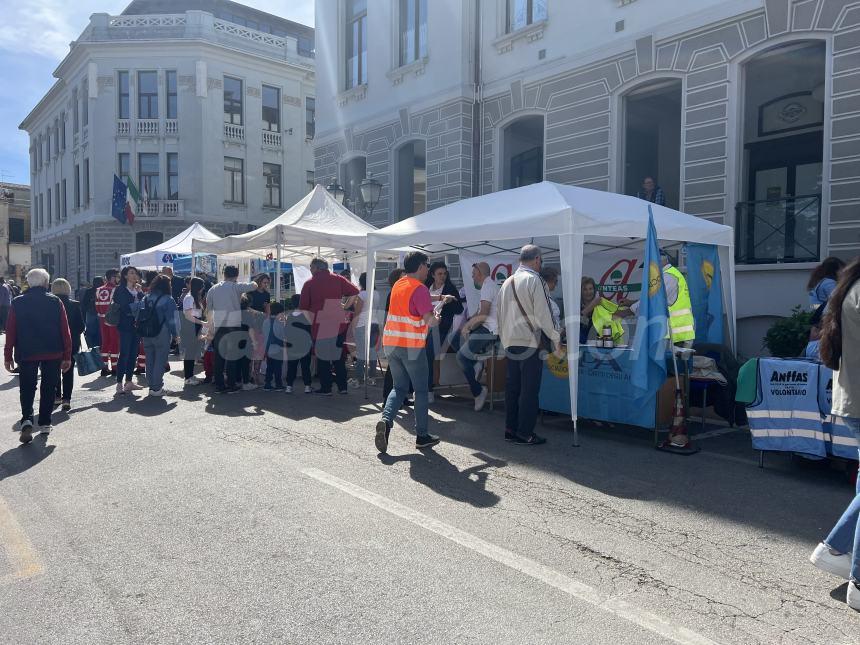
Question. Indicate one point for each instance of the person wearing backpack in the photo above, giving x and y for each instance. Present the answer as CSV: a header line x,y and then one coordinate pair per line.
x,y
839,553
126,300
156,325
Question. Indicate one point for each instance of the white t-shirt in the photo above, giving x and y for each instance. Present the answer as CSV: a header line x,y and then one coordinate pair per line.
x,y
188,305
490,293
361,321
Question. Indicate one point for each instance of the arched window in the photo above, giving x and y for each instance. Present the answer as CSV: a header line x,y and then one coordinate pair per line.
x,y
522,152
411,180
652,142
778,217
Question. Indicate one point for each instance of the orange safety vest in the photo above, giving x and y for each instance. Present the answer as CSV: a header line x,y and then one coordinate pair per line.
x,y
402,329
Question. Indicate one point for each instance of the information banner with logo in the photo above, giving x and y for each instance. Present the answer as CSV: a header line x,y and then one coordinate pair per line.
x,y
605,390
842,441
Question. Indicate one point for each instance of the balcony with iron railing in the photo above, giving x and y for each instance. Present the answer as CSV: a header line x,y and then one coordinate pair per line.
x,y
778,231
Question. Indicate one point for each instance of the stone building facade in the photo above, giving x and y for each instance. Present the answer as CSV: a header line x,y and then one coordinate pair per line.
x,y
748,112
211,113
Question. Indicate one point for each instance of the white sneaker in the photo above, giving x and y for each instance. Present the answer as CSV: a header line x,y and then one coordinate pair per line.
x,y
247,387
853,596
431,398
309,389
288,389
192,381
45,429
156,392
353,382
826,560
481,399
131,387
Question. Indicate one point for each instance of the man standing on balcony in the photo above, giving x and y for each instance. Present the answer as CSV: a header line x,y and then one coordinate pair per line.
x,y
651,192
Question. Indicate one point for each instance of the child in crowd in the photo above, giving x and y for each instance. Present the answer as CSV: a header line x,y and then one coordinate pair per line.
x,y
297,340
274,329
246,346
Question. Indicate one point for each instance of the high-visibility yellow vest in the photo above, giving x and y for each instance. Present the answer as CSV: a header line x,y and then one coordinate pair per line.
x,y
402,329
601,316
681,320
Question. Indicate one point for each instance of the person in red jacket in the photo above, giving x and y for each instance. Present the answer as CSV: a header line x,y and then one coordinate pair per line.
x,y
38,339
110,335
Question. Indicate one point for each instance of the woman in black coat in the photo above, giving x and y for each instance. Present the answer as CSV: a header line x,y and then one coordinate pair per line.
x,y
446,298
63,290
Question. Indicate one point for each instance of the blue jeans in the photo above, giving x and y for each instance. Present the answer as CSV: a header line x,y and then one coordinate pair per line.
x,y
845,536
407,365
157,350
93,333
129,341
480,339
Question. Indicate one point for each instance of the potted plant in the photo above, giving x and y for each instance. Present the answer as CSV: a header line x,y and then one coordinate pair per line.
x,y
787,337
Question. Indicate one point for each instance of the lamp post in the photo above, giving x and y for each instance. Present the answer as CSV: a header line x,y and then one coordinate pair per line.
x,y
336,191
371,191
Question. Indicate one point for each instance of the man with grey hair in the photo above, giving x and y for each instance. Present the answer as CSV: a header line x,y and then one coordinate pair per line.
x,y
479,332
526,323
38,339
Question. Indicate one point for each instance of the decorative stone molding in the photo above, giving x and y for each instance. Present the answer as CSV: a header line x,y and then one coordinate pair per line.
x,y
292,100
214,84
529,33
253,91
105,81
416,68
355,94
185,82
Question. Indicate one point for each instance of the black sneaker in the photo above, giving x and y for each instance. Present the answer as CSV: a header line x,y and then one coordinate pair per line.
x,y
234,389
321,393
510,436
383,430
425,441
26,431
533,440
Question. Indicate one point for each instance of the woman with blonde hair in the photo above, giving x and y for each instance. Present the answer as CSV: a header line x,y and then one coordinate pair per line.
x,y
63,290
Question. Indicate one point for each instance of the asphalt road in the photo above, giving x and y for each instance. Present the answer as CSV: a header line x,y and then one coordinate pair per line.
x,y
263,518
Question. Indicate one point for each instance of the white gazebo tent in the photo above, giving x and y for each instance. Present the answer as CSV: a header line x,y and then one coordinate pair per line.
x,y
549,213
162,254
317,226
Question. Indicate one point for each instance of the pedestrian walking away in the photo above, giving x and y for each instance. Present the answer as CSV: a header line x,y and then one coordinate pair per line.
x,y
156,324
223,303
38,340
410,317
526,322
62,289
839,553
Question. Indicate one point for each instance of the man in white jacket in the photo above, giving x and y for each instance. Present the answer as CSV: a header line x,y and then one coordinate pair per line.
x,y
525,317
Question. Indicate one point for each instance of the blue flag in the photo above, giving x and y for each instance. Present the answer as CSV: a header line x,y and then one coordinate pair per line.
x,y
706,292
648,371
117,207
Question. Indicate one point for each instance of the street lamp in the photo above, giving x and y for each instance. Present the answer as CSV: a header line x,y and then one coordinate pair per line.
x,y
336,191
371,190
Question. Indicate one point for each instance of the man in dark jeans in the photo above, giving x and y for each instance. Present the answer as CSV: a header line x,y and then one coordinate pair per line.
x,y
38,339
525,316
322,301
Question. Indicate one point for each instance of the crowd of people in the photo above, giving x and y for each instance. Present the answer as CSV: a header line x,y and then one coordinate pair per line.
x,y
244,339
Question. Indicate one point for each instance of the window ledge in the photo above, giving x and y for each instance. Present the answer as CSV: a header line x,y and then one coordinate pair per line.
x,y
235,205
529,33
273,208
776,266
415,68
357,93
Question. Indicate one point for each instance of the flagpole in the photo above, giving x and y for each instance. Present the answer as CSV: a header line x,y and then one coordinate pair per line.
x,y
278,266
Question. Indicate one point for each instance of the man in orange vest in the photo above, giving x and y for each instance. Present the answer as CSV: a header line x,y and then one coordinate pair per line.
x,y
410,316
109,334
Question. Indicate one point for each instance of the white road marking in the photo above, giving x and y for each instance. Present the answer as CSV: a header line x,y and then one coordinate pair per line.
x,y
19,552
529,567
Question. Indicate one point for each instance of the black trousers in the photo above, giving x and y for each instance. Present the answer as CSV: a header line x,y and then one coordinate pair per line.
x,y
227,353
524,370
50,374
329,352
188,368
293,368
66,382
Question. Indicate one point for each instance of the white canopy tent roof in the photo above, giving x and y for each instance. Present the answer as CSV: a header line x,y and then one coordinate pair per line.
x,y
162,254
554,213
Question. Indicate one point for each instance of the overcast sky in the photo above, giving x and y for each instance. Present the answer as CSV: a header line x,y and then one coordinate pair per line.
x,y
34,38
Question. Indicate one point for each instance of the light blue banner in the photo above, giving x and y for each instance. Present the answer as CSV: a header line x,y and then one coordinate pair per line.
x,y
606,392
704,280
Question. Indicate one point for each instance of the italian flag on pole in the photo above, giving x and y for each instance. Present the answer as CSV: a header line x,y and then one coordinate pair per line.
x,y
132,201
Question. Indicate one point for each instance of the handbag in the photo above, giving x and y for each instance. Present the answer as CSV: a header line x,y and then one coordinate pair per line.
x,y
113,315
89,361
544,343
